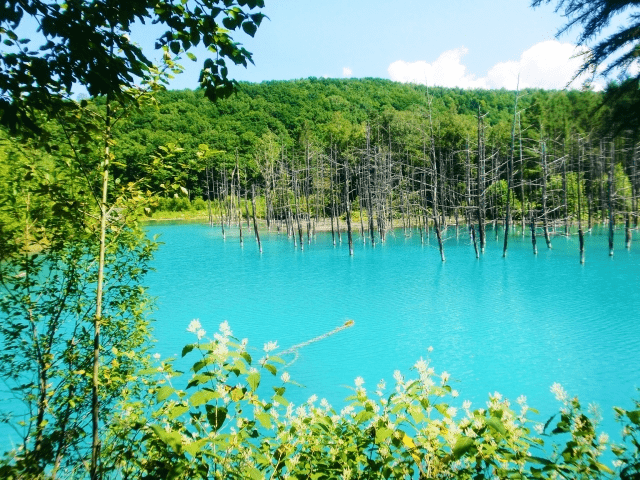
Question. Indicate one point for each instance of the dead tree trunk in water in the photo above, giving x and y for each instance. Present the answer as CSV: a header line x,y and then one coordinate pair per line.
x,y
611,212
522,203
238,198
510,175
296,196
472,233
480,182
580,232
545,224
533,234
627,231
564,196
347,204
306,194
255,223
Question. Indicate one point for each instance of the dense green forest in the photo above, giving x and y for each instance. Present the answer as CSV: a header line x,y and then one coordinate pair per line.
x,y
319,148
322,114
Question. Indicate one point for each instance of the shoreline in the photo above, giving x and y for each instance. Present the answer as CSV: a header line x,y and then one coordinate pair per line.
x,y
324,224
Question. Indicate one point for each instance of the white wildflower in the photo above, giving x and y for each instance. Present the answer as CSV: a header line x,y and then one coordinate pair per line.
x,y
603,438
522,400
346,411
559,392
312,399
244,342
194,326
421,365
156,356
359,381
466,404
452,411
539,428
397,376
220,338
225,330
325,404
221,350
270,346
444,376
285,377
201,333
454,393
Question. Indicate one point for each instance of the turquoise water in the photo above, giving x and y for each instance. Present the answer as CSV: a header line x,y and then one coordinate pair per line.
x,y
513,325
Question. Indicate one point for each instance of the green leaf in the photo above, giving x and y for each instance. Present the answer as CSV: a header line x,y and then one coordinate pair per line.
x,y
382,434
171,438
216,416
497,425
417,415
462,446
364,416
281,400
264,419
187,349
194,448
237,394
271,368
203,396
178,410
192,57
246,356
253,380
604,468
634,416
249,28
164,392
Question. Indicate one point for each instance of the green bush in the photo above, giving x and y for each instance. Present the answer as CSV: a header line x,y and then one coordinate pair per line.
x,y
228,421
199,204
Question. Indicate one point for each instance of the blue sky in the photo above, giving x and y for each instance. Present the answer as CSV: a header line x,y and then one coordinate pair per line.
x,y
461,43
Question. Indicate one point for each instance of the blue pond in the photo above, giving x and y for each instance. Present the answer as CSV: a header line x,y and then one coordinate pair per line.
x,y
514,325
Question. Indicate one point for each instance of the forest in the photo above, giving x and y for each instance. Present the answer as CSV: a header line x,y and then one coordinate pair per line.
x,y
393,155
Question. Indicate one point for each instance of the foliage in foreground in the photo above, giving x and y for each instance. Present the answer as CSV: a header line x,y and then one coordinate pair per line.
x,y
231,419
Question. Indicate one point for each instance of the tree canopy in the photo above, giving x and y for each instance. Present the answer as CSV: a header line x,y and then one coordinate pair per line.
x,y
88,44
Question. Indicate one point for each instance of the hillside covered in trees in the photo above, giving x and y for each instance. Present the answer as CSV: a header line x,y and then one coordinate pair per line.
x,y
392,152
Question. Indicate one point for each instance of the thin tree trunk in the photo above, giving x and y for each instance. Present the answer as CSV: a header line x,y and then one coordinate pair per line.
x,y
545,224
480,184
253,211
533,233
95,378
510,174
580,232
472,232
611,212
348,205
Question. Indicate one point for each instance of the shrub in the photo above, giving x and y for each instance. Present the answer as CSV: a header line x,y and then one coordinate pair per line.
x,y
228,421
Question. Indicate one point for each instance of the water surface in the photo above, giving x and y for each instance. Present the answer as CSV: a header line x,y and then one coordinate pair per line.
x,y
514,325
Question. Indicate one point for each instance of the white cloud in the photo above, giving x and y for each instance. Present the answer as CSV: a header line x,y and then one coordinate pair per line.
x,y
346,72
446,71
548,64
